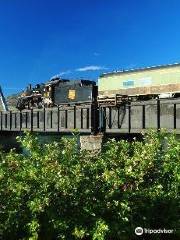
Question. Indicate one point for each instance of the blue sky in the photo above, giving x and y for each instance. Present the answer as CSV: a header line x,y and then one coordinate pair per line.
x,y
83,38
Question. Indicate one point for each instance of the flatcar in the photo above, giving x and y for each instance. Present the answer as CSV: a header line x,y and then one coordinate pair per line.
x,y
58,92
140,84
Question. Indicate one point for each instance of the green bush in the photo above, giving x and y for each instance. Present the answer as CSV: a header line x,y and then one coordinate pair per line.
x,y
53,191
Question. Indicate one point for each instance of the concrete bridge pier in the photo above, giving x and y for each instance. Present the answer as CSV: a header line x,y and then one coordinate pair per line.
x,y
92,143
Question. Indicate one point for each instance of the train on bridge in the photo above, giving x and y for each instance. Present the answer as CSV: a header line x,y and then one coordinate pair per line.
x,y
114,88
126,101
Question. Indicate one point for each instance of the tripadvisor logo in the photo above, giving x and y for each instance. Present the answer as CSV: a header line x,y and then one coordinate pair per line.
x,y
139,231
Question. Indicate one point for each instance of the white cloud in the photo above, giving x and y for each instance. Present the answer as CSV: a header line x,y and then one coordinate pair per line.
x,y
90,68
61,74
64,73
82,69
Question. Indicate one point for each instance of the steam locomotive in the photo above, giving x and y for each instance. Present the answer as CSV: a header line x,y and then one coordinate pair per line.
x,y
58,92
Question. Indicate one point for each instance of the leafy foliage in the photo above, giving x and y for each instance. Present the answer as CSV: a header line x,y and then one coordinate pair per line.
x,y
54,191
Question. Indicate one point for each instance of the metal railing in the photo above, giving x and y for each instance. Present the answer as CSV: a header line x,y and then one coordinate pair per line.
x,y
59,119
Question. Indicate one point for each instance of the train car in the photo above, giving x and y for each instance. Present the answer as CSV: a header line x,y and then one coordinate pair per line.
x,y
66,92
136,84
58,92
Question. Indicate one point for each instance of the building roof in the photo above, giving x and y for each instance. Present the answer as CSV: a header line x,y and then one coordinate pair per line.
x,y
124,71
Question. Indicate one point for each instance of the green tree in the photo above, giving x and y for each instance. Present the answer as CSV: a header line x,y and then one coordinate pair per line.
x,y
54,191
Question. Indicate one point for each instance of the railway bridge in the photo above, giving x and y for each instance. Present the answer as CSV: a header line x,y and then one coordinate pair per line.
x,y
126,119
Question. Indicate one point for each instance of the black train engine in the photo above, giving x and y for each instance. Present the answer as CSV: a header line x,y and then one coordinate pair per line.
x,y
31,97
58,92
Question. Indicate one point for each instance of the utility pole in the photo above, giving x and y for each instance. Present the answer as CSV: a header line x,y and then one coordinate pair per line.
x,y
3,100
